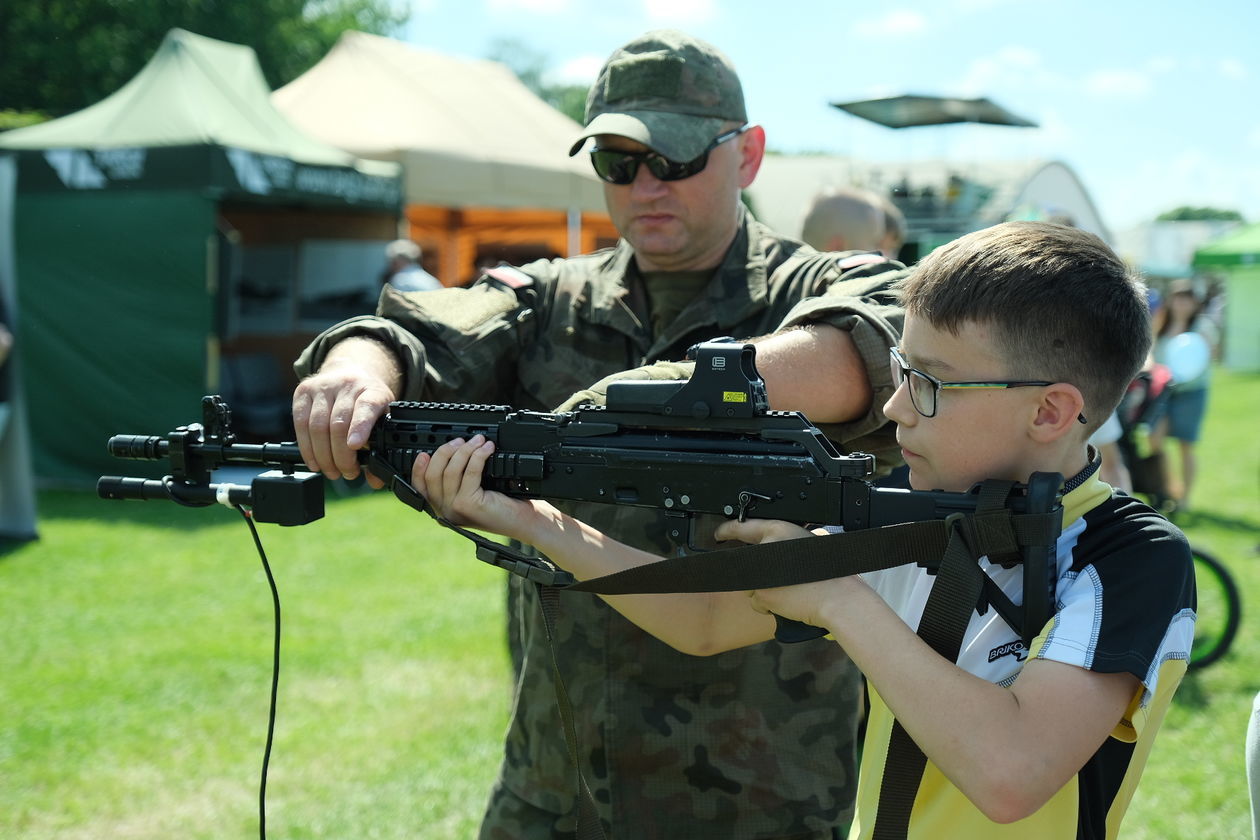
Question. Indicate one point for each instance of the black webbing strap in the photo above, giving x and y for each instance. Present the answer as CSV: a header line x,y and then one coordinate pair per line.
x,y
588,825
956,542
946,615
782,563
952,546
549,579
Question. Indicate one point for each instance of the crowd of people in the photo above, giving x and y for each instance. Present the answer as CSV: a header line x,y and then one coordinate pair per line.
x,y
997,356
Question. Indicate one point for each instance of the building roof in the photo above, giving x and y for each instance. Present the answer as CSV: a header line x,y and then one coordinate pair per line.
x,y
937,196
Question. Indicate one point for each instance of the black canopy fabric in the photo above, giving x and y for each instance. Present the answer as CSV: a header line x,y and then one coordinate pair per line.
x,y
913,110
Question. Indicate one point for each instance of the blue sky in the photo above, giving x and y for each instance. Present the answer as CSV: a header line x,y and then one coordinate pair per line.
x,y
1153,104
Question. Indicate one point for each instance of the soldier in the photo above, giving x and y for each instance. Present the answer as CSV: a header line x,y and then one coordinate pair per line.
x,y
754,743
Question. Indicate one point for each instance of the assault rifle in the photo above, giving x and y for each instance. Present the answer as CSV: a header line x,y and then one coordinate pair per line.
x,y
708,445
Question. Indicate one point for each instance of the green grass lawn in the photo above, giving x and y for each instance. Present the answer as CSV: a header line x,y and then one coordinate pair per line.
x,y
136,668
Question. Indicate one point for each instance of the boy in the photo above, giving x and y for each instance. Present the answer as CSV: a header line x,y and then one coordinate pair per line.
x,y
1019,340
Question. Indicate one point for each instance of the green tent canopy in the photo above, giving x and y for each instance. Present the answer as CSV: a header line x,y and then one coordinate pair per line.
x,y
1235,258
197,116
146,224
1241,247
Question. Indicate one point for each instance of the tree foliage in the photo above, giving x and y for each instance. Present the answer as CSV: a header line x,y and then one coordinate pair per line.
x,y
58,56
530,66
1199,214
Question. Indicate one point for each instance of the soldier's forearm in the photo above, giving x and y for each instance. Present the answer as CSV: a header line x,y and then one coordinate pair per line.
x,y
816,370
368,356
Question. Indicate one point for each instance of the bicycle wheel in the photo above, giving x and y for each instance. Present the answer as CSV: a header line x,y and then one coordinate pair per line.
x,y
1219,611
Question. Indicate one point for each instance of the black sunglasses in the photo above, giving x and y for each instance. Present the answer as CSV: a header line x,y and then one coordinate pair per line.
x,y
618,167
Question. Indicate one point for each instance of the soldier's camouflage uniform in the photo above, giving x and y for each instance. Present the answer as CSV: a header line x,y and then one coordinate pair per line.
x,y
752,743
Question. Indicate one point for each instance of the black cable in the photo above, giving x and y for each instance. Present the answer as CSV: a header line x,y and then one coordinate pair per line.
x,y
275,676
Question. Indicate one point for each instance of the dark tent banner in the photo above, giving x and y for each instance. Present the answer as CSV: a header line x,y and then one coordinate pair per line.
x,y
226,172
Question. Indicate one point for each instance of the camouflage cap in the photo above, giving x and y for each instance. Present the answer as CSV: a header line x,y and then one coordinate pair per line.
x,y
669,91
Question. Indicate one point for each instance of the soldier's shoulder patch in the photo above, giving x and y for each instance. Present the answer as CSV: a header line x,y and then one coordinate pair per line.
x,y
854,260
511,277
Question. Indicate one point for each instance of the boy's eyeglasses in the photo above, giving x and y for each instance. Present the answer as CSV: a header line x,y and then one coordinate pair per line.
x,y
924,387
618,167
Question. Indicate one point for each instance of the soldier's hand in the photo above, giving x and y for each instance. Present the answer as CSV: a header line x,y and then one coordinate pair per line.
x,y
597,394
334,410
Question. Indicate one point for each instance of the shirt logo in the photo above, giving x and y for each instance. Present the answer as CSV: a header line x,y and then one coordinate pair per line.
x,y
1016,649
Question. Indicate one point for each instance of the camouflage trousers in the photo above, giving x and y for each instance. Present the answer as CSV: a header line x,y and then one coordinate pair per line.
x,y
508,817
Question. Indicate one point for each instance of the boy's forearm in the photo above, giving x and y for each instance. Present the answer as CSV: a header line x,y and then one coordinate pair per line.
x,y
933,699
699,624
1007,749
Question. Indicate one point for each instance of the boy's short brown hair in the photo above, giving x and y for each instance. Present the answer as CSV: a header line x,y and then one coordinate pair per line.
x,y
1062,305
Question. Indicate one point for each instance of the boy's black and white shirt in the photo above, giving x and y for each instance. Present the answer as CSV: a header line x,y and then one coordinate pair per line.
x,y
1124,603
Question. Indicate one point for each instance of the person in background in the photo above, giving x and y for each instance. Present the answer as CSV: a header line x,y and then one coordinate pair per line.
x,y
1113,469
847,218
844,219
1182,419
403,270
671,745
894,228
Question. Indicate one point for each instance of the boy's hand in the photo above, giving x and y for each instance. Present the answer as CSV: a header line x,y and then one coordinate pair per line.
x,y
450,479
807,602
756,531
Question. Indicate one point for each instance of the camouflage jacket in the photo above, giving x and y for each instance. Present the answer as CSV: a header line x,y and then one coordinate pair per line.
x,y
752,743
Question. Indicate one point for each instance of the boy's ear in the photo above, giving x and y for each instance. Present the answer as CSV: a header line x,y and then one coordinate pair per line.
x,y
1061,404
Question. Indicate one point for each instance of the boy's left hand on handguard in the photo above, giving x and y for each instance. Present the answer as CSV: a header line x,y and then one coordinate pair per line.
x,y
450,479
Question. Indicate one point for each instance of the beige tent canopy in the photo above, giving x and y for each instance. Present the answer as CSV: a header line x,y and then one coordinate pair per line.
x,y
468,132
486,170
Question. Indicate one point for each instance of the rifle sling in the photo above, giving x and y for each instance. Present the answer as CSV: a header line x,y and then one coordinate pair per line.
x,y
549,580
951,547
589,826
829,556
944,622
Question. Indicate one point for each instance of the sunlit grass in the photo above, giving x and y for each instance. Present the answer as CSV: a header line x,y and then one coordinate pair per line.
x,y
137,663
